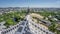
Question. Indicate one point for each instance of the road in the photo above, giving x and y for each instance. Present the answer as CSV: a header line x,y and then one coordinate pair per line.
x,y
31,27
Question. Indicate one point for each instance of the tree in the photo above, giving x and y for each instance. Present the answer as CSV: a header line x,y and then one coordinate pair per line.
x,y
52,27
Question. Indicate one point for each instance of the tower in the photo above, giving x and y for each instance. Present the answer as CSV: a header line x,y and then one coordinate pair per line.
x,y
28,10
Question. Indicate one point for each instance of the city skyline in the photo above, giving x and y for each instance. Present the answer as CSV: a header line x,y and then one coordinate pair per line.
x,y
30,3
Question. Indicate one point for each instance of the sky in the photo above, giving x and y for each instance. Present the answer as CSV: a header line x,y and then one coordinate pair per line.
x,y
30,3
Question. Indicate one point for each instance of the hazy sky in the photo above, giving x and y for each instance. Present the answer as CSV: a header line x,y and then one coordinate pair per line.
x,y
30,3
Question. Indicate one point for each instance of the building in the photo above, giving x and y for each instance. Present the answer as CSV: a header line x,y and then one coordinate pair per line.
x,y
26,27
